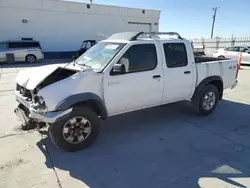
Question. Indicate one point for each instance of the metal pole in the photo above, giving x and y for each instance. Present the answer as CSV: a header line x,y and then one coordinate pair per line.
x,y
214,16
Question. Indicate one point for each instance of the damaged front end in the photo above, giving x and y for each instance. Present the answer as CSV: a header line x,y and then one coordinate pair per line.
x,y
32,109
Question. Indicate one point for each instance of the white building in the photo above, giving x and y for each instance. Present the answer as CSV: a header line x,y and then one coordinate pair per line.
x,y
63,25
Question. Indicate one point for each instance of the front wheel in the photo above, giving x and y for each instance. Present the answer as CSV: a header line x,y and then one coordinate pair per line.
x,y
206,101
76,132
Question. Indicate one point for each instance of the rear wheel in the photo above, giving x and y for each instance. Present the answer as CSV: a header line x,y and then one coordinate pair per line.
x,y
206,101
30,58
221,57
76,132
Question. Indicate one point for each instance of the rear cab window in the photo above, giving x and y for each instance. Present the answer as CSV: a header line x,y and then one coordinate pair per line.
x,y
175,54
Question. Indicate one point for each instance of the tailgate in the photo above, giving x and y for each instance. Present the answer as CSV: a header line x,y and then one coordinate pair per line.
x,y
229,70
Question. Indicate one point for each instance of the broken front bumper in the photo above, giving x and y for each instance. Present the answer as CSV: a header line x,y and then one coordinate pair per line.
x,y
24,112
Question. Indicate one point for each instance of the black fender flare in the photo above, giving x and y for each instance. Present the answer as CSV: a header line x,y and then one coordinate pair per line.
x,y
81,98
206,81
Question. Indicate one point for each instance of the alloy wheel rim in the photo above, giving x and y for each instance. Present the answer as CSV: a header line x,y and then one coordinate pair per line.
x,y
31,59
76,130
209,100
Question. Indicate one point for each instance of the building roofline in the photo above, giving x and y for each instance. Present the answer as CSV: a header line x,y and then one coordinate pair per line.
x,y
116,6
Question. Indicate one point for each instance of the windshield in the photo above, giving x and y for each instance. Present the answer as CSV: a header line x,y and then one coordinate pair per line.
x,y
99,56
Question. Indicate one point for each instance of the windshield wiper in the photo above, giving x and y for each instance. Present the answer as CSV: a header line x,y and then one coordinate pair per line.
x,y
84,65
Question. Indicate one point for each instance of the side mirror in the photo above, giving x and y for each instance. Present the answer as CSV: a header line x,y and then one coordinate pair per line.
x,y
118,69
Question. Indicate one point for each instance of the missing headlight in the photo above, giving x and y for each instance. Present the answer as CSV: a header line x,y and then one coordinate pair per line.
x,y
39,104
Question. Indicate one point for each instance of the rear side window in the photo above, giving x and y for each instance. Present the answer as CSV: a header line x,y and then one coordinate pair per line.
x,y
139,57
243,49
24,44
31,44
175,54
15,45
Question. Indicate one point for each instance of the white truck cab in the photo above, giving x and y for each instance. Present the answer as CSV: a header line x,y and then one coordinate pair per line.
x,y
126,72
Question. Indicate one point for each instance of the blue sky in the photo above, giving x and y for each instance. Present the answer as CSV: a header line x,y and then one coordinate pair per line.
x,y
193,18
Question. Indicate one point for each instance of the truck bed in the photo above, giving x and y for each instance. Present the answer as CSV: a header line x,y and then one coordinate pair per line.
x,y
200,59
226,69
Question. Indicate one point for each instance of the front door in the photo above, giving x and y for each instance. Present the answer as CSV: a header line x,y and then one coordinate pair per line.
x,y
141,86
178,72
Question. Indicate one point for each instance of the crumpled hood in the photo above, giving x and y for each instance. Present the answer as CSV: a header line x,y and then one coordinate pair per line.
x,y
30,78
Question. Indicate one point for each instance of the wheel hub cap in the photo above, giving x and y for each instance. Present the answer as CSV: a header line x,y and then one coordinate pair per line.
x,y
76,130
209,101
31,59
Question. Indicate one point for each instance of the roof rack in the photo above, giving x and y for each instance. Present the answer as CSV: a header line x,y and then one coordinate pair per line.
x,y
156,33
131,36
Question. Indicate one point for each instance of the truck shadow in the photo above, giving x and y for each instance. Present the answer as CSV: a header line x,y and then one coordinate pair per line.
x,y
166,146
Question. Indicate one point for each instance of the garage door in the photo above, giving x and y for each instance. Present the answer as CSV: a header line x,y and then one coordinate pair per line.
x,y
139,26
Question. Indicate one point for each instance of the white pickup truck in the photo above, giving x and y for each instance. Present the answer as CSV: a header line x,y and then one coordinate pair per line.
x,y
126,72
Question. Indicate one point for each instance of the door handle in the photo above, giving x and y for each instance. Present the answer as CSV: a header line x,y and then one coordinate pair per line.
x,y
187,72
113,83
156,76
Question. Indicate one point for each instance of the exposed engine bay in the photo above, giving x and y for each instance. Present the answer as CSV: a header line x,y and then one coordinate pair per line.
x,y
57,75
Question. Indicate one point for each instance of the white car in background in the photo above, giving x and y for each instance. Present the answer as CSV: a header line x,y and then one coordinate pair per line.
x,y
21,50
233,53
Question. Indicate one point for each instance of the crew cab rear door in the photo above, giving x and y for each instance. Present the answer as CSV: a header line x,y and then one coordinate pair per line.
x,y
142,85
178,70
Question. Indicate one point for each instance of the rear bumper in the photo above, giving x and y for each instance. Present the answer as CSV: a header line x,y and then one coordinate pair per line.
x,y
235,84
40,57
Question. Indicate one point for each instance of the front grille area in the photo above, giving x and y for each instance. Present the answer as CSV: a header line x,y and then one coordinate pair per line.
x,y
23,91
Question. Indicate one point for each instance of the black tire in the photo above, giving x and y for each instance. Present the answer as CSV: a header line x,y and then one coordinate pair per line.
x,y
221,57
56,130
199,99
30,58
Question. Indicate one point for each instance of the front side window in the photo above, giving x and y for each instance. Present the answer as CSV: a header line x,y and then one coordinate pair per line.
x,y
100,55
139,57
3,46
175,54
